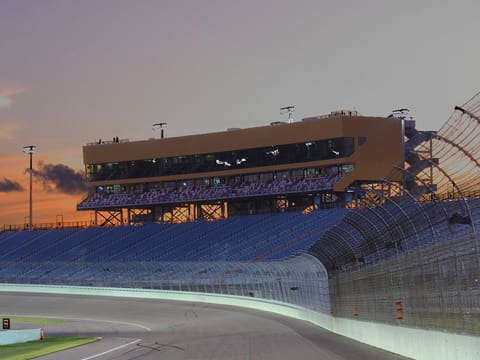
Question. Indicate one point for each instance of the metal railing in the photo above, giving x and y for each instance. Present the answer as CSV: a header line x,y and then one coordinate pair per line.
x,y
301,280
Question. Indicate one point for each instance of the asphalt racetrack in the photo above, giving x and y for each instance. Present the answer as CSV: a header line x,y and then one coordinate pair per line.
x,y
153,329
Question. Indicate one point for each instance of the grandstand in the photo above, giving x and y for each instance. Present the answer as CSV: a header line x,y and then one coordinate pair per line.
x,y
281,167
346,215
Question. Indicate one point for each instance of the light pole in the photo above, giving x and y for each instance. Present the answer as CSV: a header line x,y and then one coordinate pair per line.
x,y
288,110
30,150
161,126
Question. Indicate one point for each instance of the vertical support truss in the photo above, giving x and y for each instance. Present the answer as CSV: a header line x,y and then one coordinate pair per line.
x,y
179,214
282,203
109,217
211,212
373,194
136,216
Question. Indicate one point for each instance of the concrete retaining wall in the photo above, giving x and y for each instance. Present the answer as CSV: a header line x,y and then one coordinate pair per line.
x,y
410,342
8,337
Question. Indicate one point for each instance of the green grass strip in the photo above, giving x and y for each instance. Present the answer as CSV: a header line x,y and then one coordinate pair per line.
x,y
33,349
37,320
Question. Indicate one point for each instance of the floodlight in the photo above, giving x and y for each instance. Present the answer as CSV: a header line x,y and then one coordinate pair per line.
x,y
288,110
160,126
30,150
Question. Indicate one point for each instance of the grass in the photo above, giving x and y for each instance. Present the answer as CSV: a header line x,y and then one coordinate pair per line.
x,y
33,349
36,320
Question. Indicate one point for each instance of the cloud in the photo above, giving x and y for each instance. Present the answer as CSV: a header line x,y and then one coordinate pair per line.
x,y
60,178
6,94
7,185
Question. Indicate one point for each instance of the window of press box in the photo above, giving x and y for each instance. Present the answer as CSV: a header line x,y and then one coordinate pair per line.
x,y
169,185
297,173
250,178
202,181
346,168
246,158
281,175
184,183
114,188
309,172
266,177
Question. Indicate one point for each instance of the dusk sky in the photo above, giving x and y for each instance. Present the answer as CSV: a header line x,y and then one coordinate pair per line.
x,y
72,72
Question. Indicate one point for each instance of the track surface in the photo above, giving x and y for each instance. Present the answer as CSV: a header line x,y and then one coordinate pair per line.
x,y
153,329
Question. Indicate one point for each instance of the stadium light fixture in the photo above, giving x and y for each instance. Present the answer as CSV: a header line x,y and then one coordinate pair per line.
x,y
30,149
274,152
160,126
221,162
288,110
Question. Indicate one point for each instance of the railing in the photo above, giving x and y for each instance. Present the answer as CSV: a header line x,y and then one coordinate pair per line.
x,y
103,142
301,280
48,226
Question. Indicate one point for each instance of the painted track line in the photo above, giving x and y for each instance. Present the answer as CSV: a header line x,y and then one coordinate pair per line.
x,y
112,350
84,319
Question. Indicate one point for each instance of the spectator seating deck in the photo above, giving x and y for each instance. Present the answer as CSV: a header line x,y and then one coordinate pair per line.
x,y
370,235
208,193
96,253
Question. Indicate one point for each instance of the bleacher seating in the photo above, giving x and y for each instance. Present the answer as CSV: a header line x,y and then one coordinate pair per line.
x,y
105,199
108,254
370,235
342,239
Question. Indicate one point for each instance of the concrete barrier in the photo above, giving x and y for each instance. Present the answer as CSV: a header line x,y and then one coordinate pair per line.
x,y
8,337
410,342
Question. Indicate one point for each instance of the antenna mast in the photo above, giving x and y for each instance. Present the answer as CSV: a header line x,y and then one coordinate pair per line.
x,y
288,110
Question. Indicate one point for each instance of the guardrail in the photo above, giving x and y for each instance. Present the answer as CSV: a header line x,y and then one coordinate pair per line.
x,y
48,226
414,343
19,336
